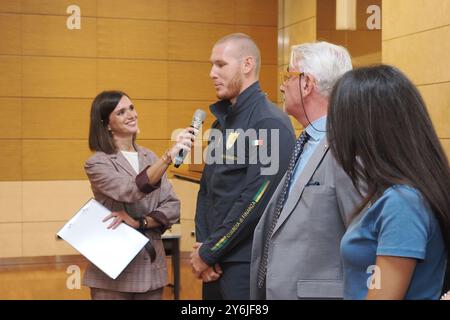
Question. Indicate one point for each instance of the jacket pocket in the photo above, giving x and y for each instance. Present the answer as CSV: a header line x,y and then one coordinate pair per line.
x,y
320,289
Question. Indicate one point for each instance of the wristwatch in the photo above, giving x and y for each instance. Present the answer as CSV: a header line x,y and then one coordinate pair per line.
x,y
143,223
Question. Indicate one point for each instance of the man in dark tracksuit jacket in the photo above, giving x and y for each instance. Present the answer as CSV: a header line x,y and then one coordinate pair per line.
x,y
233,193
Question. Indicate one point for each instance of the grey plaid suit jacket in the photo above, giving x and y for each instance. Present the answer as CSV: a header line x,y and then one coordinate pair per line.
x,y
304,255
113,184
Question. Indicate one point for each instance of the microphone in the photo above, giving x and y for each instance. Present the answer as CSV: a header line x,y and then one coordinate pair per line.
x,y
197,122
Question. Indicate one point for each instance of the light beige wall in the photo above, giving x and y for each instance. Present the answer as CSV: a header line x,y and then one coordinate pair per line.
x,y
297,21
155,50
416,39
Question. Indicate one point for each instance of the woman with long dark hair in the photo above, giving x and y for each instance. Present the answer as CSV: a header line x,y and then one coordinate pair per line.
x,y
381,134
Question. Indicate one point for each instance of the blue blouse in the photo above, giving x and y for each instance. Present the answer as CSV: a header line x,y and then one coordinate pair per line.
x,y
399,224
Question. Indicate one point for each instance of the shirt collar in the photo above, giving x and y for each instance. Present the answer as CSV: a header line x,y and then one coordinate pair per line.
x,y
319,124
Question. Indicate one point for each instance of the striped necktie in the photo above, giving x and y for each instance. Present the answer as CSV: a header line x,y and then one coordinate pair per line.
x,y
298,149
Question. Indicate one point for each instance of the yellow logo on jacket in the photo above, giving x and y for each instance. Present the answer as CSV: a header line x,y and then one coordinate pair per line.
x,y
232,137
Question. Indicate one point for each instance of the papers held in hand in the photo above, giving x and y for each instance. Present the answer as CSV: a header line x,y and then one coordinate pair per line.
x,y
110,250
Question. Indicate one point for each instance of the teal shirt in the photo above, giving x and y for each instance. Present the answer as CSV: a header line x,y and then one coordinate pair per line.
x,y
400,224
309,148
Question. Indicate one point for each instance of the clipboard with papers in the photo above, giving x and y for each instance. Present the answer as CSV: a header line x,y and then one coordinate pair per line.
x,y
110,250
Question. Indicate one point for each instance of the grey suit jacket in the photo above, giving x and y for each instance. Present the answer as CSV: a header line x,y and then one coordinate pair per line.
x,y
304,256
113,183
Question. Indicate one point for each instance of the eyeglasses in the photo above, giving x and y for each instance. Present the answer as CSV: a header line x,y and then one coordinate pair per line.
x,y
286,75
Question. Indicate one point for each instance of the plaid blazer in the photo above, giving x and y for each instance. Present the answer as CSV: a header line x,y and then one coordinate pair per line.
x,y
113,183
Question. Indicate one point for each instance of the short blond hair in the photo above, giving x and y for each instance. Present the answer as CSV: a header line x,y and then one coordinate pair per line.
x,y
246,46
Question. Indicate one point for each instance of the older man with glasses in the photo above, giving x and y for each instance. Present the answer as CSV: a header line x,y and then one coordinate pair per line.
x,y
295,250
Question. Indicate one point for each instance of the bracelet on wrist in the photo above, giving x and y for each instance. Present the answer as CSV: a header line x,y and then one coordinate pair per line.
x,y
166,157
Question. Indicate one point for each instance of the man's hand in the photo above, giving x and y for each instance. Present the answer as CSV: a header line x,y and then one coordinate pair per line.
x,y
212,273
201,269
197,263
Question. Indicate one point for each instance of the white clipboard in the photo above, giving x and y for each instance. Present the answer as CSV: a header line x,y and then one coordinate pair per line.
x,y
110,250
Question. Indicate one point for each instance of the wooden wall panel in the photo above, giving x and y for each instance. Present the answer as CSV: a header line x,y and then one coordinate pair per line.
x,y
367,60
245,12
446,146
11,160
213,11
44,279
10,6
326,15
138,78
280,46
11,200
11,118
187,191
135,39
189,41
265,38
48,36
53,200
10,33
280,12
256,12
296,11
298,33
39,239
152,119
59,77
157,146
187,235
54,159
419,48
196,74
155,50
364,45
194,41
45,118
138,9
402,17
11,76
437,99
361,43
280,95
180,114
421,64
10,240
268,80
59,7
